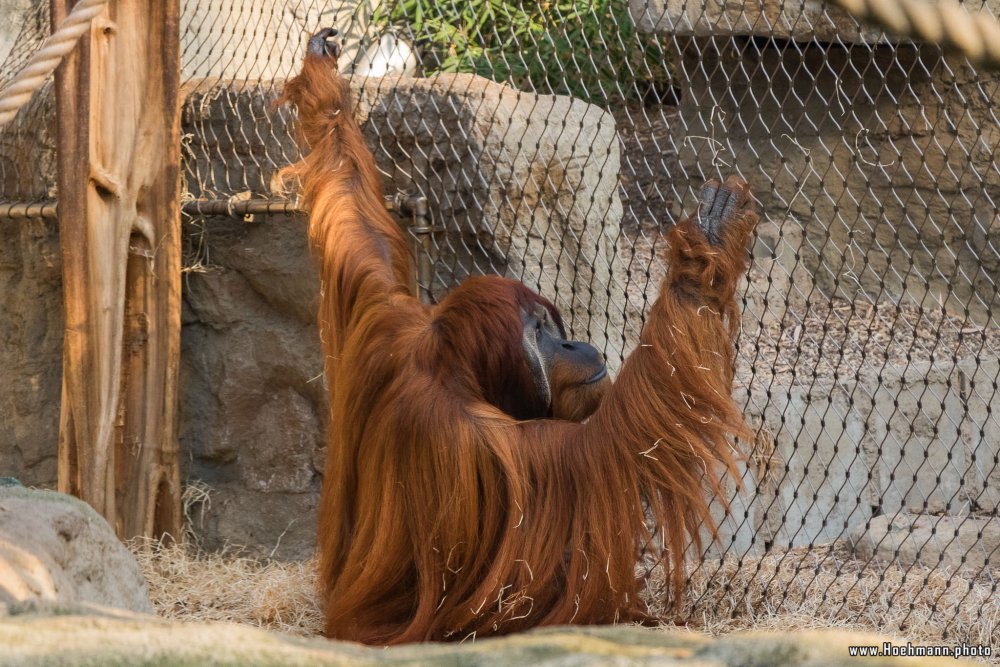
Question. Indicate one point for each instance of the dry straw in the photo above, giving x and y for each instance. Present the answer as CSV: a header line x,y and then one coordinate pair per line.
x,y
825,587
193,586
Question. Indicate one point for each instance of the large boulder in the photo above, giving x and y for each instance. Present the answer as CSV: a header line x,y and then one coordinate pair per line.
x,y
527,186
55,548
76,637
805,19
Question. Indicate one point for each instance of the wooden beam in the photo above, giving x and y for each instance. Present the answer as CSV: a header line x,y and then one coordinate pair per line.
x,y
119,225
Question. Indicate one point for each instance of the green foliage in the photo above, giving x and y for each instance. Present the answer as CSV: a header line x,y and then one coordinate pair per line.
x,y
590,50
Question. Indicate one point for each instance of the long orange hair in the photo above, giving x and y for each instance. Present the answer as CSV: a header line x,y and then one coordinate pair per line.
x,y
442,516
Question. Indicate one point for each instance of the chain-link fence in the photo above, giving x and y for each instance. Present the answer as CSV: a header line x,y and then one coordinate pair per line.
x,y
557,142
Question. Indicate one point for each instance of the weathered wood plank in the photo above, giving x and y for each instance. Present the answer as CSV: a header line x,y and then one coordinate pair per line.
x,y
119,155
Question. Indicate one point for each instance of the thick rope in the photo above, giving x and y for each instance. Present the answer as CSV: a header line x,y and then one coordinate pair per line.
x,y
976,35
46,59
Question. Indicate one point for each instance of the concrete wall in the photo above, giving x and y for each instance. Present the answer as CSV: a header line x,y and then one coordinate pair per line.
x,y
918,439
883,153
14,13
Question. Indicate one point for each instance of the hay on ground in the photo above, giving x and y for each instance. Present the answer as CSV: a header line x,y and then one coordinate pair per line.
x,y
189,585
828,587
822,587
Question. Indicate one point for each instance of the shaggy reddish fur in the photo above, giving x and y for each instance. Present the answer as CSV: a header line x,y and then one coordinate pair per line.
x,y
443,517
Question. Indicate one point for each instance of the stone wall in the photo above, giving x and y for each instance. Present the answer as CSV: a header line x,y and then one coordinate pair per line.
x,y
31,328
883,152
804,20
917,439
253,402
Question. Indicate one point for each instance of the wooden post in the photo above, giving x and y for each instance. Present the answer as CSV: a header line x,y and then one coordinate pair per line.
x,y
119,226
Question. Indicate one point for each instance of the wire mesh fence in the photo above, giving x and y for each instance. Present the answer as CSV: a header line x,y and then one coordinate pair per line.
x,y
558,142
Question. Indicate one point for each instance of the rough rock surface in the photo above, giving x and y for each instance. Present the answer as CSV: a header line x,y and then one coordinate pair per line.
x,y
31,327
921,437
55,548
529,183
952,542
778,282
75,637
254,406
31,298
802,19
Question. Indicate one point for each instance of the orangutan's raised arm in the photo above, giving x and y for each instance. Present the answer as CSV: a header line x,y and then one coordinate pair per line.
x,y
669,419
363,256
